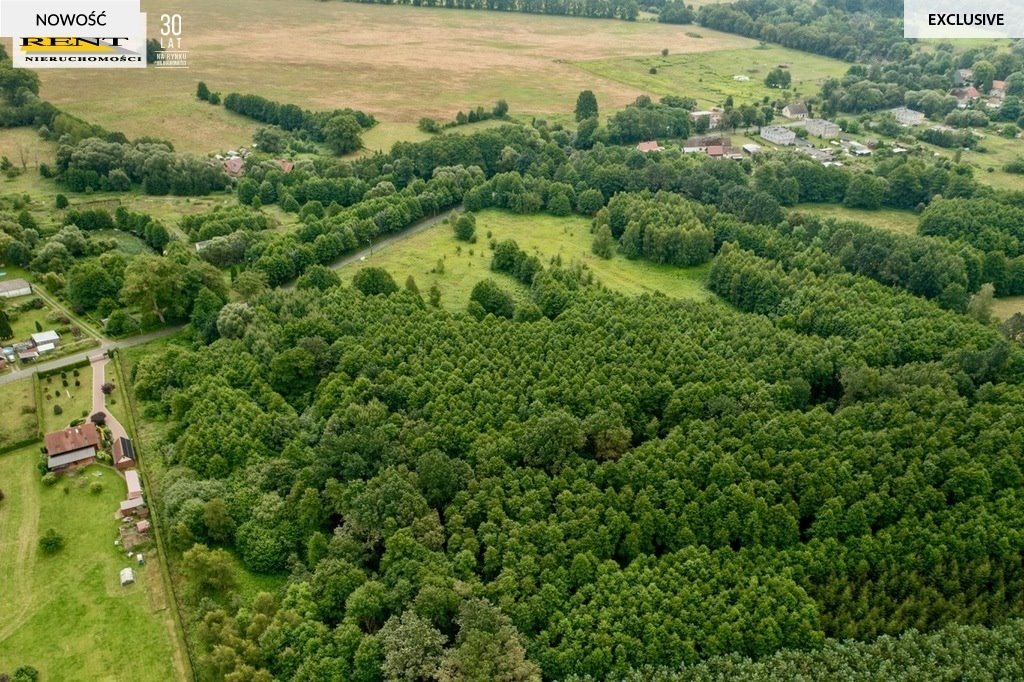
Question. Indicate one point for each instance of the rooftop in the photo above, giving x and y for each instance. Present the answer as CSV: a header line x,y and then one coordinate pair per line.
x,y
13,285
71,439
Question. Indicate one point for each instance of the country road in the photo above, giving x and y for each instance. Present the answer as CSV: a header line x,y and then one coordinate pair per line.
x,y
415,228
85,355
422,225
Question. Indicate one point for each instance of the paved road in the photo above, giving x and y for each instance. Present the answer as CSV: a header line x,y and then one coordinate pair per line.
x,y
78,357
99,401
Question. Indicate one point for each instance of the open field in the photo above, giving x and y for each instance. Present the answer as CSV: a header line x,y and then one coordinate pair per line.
x,y
24,323
80,399
18,421
541,235
399,63
1005,308
67,614
707,76
893,220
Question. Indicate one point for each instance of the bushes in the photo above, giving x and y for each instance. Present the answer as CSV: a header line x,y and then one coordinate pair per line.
x,y
51,541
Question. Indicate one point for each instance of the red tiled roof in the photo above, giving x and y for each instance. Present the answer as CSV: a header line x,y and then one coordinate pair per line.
x,y
71,439
234,166
648,146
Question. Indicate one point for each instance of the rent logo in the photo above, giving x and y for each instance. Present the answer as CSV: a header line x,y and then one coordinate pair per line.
x,y
74,34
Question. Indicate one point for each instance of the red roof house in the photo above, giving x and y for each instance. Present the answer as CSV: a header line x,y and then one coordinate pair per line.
x,y
74,446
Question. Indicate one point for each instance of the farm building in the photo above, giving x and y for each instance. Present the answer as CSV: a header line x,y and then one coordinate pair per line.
x,y
142,526
12,288
778,135
74,446
752,148
131,477
44,338
908,117
123,453
797,110
133,506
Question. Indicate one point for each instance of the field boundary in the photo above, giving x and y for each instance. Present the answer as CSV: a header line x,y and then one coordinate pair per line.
x,y
165,571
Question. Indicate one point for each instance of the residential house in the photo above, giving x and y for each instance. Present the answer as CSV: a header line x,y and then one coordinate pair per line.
x,y
964,96
963,77
649,146
12,288
285,166
797,110
908,117
714,117
131,477
74,446
778,135
43,338
124,454
234,166
716,151
998,90
822,128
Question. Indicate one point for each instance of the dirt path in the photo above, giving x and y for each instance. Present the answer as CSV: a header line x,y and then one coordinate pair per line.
x,y
21,569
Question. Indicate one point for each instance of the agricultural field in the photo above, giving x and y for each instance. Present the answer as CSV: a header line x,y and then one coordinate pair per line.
x,y
545,236
1005,308
19,422
428,62
50,602
893,220
74,401
708,75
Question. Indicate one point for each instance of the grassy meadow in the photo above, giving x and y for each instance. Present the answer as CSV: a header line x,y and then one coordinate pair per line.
x,y
19,422
398,62
67,614
893,220
542,235
708,75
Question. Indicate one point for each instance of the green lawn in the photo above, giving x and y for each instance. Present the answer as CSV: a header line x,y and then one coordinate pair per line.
x,y
67,615
24,323
708,76
541,235
79,402
18,420
893,220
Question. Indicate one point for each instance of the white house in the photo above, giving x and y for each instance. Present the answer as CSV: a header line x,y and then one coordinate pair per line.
x,y
12,288
778,135
821,128
714,117
908,117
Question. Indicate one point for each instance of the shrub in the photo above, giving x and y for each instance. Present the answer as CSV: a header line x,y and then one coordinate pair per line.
x,y
51,541
95,487
58,410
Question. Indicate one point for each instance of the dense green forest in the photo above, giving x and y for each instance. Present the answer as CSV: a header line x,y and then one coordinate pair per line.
x,y
617,483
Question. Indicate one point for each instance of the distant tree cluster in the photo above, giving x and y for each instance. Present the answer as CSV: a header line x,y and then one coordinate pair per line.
x,y
627,10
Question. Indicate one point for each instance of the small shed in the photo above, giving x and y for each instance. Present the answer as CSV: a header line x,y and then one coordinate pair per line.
x,y
131,477
127,576
142,526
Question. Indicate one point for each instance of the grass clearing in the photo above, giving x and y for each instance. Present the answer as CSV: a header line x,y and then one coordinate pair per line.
x,y
19,422
75,401
891,219
1005,308
66,614
400,63
542,235
708,76
127,243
